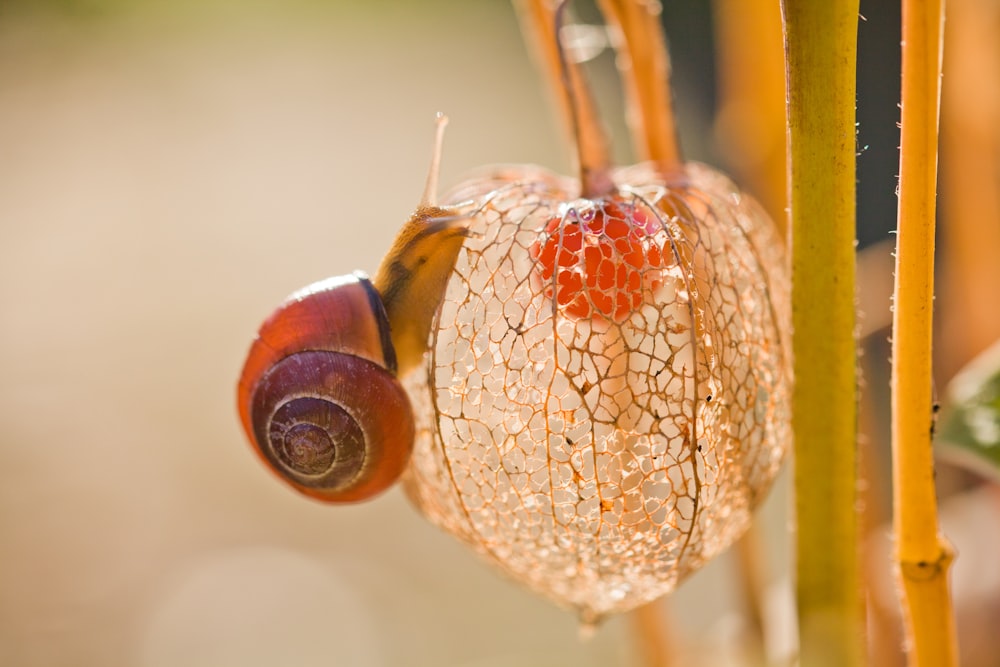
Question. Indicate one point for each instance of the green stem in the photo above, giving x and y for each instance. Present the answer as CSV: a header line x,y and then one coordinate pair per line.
x,y
821,58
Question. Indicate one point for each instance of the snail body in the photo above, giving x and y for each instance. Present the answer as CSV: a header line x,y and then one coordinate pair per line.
x,y
413,275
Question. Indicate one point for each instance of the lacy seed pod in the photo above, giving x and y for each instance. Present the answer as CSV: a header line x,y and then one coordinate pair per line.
x,y
605,399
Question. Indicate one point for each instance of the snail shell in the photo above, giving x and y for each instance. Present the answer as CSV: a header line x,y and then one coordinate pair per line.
x,y
319,398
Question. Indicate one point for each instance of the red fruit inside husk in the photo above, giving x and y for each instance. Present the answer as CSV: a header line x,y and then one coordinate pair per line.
x,y
600,258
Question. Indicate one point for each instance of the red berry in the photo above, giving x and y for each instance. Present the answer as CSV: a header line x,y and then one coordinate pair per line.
x,y
600,261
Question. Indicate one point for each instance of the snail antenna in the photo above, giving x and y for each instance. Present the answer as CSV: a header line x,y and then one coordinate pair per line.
x,y
430,190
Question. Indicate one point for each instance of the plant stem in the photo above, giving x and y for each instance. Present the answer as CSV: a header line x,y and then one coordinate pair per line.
x,y
645,70
970,135
821,57
540,23
922,555
885,635
750,123
650,625
749,557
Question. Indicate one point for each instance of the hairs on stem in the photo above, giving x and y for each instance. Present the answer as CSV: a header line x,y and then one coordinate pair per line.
x,y
923,557
821,57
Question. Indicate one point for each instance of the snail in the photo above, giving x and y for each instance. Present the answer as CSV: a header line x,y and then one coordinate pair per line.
x,y
319,395
585,379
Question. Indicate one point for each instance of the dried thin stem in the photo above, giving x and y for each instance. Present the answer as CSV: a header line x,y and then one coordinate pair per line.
x,y
650,627
884,628
923,556
821,53
750,124
970,135
645,70
748,558
541,22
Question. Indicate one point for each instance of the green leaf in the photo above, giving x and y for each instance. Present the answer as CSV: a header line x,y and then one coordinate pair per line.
x,y
971,428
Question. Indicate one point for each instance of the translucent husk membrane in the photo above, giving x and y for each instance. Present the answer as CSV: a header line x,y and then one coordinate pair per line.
x,y
599,461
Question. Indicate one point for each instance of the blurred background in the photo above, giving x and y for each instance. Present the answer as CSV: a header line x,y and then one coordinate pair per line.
x,y
169,171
